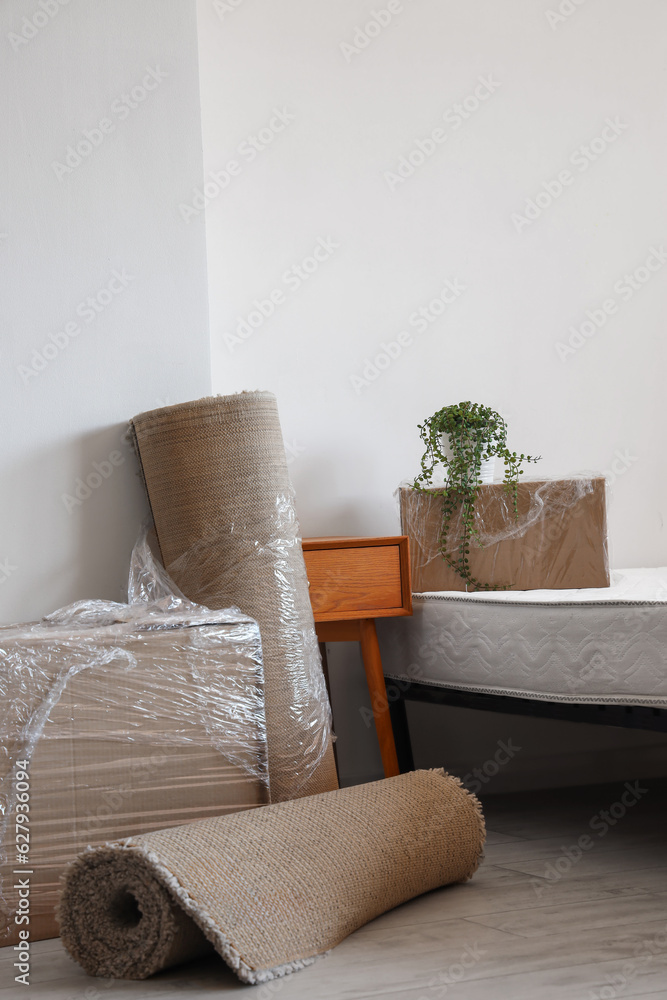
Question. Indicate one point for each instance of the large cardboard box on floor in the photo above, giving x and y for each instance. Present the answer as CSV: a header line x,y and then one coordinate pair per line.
x,y
127,726
559,541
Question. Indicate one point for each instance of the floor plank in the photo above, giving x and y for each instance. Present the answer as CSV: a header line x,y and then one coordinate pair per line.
x,y
570,918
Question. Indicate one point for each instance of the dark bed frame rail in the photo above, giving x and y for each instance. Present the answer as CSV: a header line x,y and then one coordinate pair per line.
x,y
626,716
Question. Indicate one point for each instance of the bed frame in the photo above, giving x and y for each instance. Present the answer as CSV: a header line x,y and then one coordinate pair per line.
x,y
626,716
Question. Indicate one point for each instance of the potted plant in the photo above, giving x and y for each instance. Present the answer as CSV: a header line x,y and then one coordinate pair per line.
x,y
462,438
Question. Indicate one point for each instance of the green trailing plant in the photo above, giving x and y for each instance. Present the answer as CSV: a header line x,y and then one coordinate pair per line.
x,y
475,433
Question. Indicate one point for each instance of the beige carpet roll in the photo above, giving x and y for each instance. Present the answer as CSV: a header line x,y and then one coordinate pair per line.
x,y
216,475
272,888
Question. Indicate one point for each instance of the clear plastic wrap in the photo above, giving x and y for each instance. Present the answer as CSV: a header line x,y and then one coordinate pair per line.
x,y
123,718
217,481
558,541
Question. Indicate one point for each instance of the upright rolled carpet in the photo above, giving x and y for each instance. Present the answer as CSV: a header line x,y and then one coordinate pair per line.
x,y
216,475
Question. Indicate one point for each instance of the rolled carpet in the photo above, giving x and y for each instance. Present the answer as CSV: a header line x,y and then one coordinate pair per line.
x,y
219,489
272,888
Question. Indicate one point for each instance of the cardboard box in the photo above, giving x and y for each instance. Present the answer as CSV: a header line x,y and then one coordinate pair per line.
x,y
558,543
138,725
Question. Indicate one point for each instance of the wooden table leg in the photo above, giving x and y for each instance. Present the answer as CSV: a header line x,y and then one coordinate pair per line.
x,y
370,652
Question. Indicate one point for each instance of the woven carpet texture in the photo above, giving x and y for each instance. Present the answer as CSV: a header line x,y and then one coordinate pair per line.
x,y
272,888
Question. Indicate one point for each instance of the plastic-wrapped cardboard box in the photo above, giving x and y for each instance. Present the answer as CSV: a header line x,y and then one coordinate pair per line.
x,y
559,541
130,718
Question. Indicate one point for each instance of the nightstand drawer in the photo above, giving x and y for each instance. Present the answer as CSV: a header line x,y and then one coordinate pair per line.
x,y
357,577
360,580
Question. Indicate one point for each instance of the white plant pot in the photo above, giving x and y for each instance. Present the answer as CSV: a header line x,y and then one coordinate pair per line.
x,y
486,473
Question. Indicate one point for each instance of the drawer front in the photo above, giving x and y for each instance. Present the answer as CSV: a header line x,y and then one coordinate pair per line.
x,y
354,579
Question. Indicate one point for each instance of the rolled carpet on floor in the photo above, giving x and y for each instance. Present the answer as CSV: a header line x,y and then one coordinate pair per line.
x,y
216,475
272,888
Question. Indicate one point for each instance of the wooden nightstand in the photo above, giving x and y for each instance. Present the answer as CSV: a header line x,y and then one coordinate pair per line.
x,y
353,581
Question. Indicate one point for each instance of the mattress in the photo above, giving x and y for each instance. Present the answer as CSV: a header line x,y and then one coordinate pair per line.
x,y
606,646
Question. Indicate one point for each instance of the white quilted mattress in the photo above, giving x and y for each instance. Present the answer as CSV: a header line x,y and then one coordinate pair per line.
x,y
605,646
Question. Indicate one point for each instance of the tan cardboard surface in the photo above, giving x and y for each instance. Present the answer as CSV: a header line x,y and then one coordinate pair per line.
x,y
128,749
565,548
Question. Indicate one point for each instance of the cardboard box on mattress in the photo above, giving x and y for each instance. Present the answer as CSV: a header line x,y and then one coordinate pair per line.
x,y
137,740
559,541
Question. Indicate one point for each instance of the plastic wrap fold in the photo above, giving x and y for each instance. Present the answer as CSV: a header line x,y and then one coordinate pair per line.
x,y
557,541
116,719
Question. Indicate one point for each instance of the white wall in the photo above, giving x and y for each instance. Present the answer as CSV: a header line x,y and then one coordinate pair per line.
x,y
323,175
65,231
555,80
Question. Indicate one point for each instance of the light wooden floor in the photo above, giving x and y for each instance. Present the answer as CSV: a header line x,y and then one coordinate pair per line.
x,y
511,933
